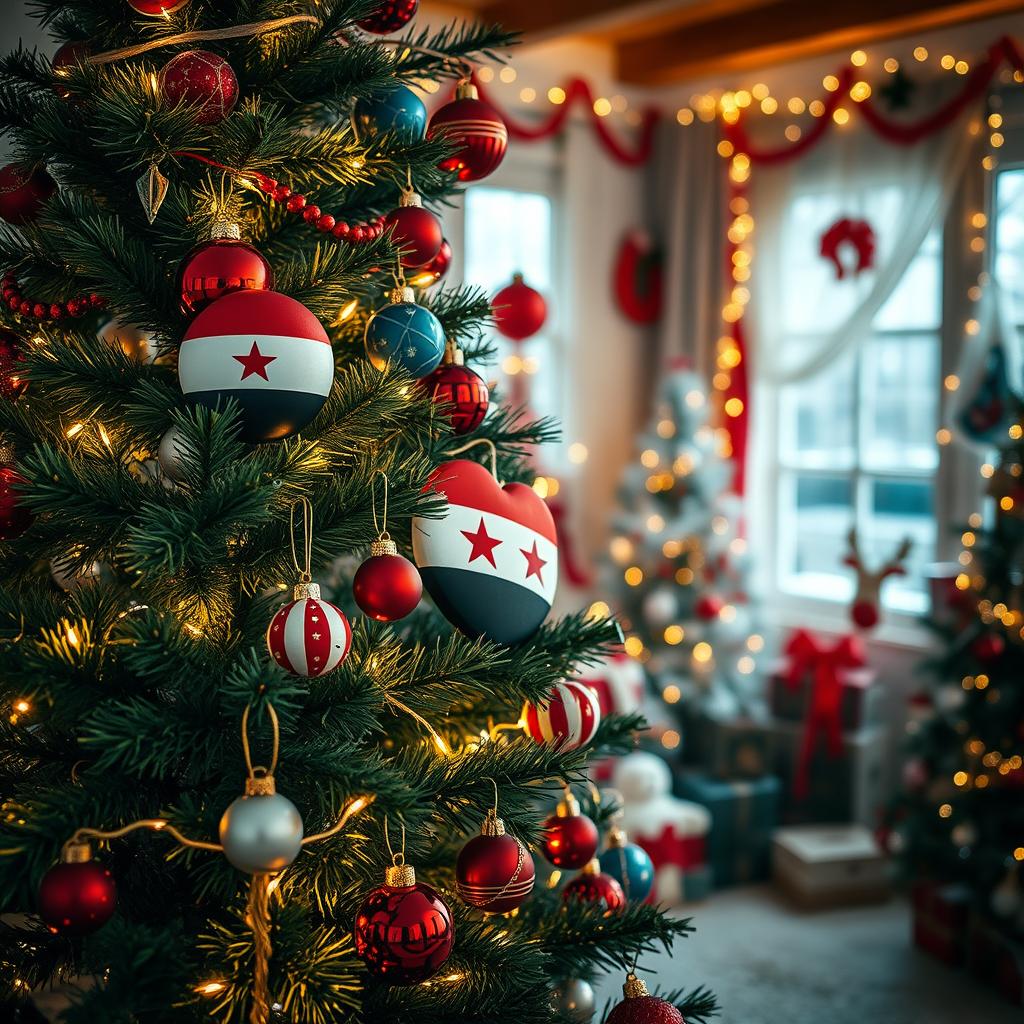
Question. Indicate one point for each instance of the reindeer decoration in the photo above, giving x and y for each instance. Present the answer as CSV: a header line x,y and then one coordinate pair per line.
x,y
867,601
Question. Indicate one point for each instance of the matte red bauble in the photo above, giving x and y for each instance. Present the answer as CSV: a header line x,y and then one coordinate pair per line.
x,y
22,193
15,518
12,384
461,391
478,130
494,872
416,231
432,272
387,586
592,886
156,8
403,930
223,264
389,16
570,838
77,896
69,56
519,310
640,1008
204,81
708,607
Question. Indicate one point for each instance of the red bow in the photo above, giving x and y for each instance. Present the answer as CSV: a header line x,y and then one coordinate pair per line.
x,y
808,657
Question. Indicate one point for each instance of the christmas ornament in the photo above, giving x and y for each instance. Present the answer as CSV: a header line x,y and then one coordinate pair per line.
x,y
568,718
69,574
12,383
169,454
494,872
16,301
570,837
405,334
491,564
15,518
266,351
390,16
708,606
403,930
867,601
988,646
414,230
660,606
78,895
519,310
201,80
134,342
23,192
66,59
156,8
223,264
637,1007
629,865
397,109
387,586
152,190
261,831
432,272
573,1000
459,390
308,637
476,128
591,886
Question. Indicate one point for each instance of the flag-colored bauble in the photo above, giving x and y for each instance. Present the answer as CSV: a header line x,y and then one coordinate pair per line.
x,y
461,392
78,895
494,872
202,80
491,564
265,350
591,886
389,16
156,8
23,192
519,310
221,265
478,131
640,1008
414,230
568,718
405,335
13,383
397,109
309,636
15,517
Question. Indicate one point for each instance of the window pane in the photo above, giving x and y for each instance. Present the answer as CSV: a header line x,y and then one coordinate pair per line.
x,y
816,419
900,402
916,302
1009,261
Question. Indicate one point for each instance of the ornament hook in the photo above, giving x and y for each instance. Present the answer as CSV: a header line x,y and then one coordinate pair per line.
x,y
382,528
473,444
307,538
276,729
397,859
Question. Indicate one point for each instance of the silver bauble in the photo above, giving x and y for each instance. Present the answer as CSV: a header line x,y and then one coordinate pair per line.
x,y
134,342
169,454
573,999
70,576
261,832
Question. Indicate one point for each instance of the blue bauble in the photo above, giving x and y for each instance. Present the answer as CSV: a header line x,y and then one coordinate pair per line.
x,y
631,867
405,335
398,109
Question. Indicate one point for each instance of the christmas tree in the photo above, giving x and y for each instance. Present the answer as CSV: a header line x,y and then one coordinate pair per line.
x,y
677,564
224,798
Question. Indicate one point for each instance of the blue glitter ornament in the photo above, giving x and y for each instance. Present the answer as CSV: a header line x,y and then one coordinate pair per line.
x,y
398,109
405,334
629,865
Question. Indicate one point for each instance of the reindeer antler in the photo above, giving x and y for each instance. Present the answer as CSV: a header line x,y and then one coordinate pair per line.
x,y
853,556
894,565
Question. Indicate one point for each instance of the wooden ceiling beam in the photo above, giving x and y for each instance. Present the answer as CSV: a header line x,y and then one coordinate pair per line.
x,y
540,19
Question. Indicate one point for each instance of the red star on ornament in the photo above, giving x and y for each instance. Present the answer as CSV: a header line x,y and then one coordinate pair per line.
x,y
483,545
255,362
534,563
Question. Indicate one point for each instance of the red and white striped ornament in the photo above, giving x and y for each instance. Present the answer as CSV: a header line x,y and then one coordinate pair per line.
x,y
308,637
568,718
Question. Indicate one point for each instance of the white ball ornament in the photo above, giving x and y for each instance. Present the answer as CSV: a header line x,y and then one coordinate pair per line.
x,y
169,454
262,830
308,636
660,607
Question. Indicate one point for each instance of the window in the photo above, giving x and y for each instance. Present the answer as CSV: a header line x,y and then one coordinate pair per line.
x,y
1009,239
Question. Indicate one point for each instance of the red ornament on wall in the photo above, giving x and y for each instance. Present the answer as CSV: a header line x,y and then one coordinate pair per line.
x,y
592,886
519,310
478,130
845,234
638,278
23,192
78,895
462,391
223,264
202,80
389,17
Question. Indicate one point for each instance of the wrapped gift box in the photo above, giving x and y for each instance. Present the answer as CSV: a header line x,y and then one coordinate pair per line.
x,y
860,701
731,746
995,958
744,814
829,865
848,787
940,917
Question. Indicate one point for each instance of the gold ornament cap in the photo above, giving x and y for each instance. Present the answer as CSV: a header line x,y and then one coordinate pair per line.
x,y
403,294
76,853
467,91
453,355
301,591
383,546
400,876
493,825
634,987
260,785
410,197
593,867
617,838
568,807
226,229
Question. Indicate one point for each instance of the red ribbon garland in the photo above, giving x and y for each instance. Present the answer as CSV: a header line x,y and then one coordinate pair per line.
x,y
823,665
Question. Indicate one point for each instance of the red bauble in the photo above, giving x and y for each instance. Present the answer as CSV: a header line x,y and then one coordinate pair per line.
x,y
15,518
570,838
640,1008
591,886
387,586
12,384
432,272
459,389
494,872
223,264
202,80
70,55
390,16
519,310
707,607
478,130
76,898
404,933
417,232
864,614
156,8
22,193
988,646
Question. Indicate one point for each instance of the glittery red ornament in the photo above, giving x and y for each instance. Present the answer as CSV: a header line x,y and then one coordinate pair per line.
x,y
389,16
519,310
415,230
478,130
23,192
592,886
570,838
12,384
403,930
77,896
68,57
202,80
432,272
223,264
640,1008
494,872
15,518
387,586
156,8
461,391
707,607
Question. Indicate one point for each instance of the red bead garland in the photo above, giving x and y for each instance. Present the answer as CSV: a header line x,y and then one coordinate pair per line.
x,y
38,310
295,202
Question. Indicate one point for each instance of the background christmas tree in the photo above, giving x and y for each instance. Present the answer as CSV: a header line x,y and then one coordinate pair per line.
x,y
136,592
